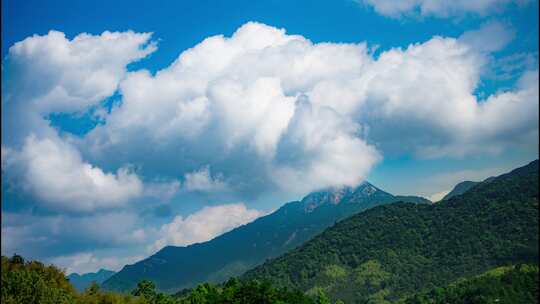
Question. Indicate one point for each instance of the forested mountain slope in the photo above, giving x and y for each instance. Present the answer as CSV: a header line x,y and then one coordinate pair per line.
x,y
231,254
511,284
391,251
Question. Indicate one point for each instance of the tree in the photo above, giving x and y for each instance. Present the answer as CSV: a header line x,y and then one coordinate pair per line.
x,y
93,289
146,289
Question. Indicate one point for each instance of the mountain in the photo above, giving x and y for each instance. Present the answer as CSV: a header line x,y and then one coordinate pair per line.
x,y
81,281
464,187
390,251
460,189
231,254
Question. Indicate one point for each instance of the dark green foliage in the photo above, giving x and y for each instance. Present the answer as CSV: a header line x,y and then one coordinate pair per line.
x,y
33,282
516,284
250,292
145,289
231,254
391,251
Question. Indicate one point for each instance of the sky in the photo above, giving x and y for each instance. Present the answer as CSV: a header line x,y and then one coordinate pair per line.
x,y
127,126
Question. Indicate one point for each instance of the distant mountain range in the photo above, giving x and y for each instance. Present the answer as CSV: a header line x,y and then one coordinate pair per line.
x,y
82,281
390,252
231,254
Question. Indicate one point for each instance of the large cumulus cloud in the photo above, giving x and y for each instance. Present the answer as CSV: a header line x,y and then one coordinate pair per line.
x,y
244,98
306,116
268,111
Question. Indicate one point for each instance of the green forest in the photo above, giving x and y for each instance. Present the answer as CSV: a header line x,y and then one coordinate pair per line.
x,y
513,284
33,282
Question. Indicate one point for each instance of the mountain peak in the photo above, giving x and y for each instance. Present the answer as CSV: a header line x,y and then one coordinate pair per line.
x,y
340,195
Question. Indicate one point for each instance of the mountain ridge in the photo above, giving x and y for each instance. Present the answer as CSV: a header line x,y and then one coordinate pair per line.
x,y
82,281
230,254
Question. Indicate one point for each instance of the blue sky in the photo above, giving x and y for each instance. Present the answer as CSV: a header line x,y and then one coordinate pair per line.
x,y
412,98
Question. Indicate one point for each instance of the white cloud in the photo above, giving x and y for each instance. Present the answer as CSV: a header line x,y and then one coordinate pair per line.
x,y
202,180
204,225
439,8
56,174
245,99
230,100
36,236
275,111
490,37
51,73
54,74
86,262
326,140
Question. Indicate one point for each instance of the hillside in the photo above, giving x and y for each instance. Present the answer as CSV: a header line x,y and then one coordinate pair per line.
x,y
463,187
81,281
460,189
231,254
391,251
513,284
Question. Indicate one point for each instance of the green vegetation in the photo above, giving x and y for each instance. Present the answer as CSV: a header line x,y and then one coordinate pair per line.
x,y
516,284
34,283
392,251
460,189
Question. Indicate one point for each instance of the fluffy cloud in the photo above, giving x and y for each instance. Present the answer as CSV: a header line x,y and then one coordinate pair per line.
x,y
267,110
55,173
204,225
54,74
299,116
490,37
58,235
237,99
303,116
439,8
202,180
